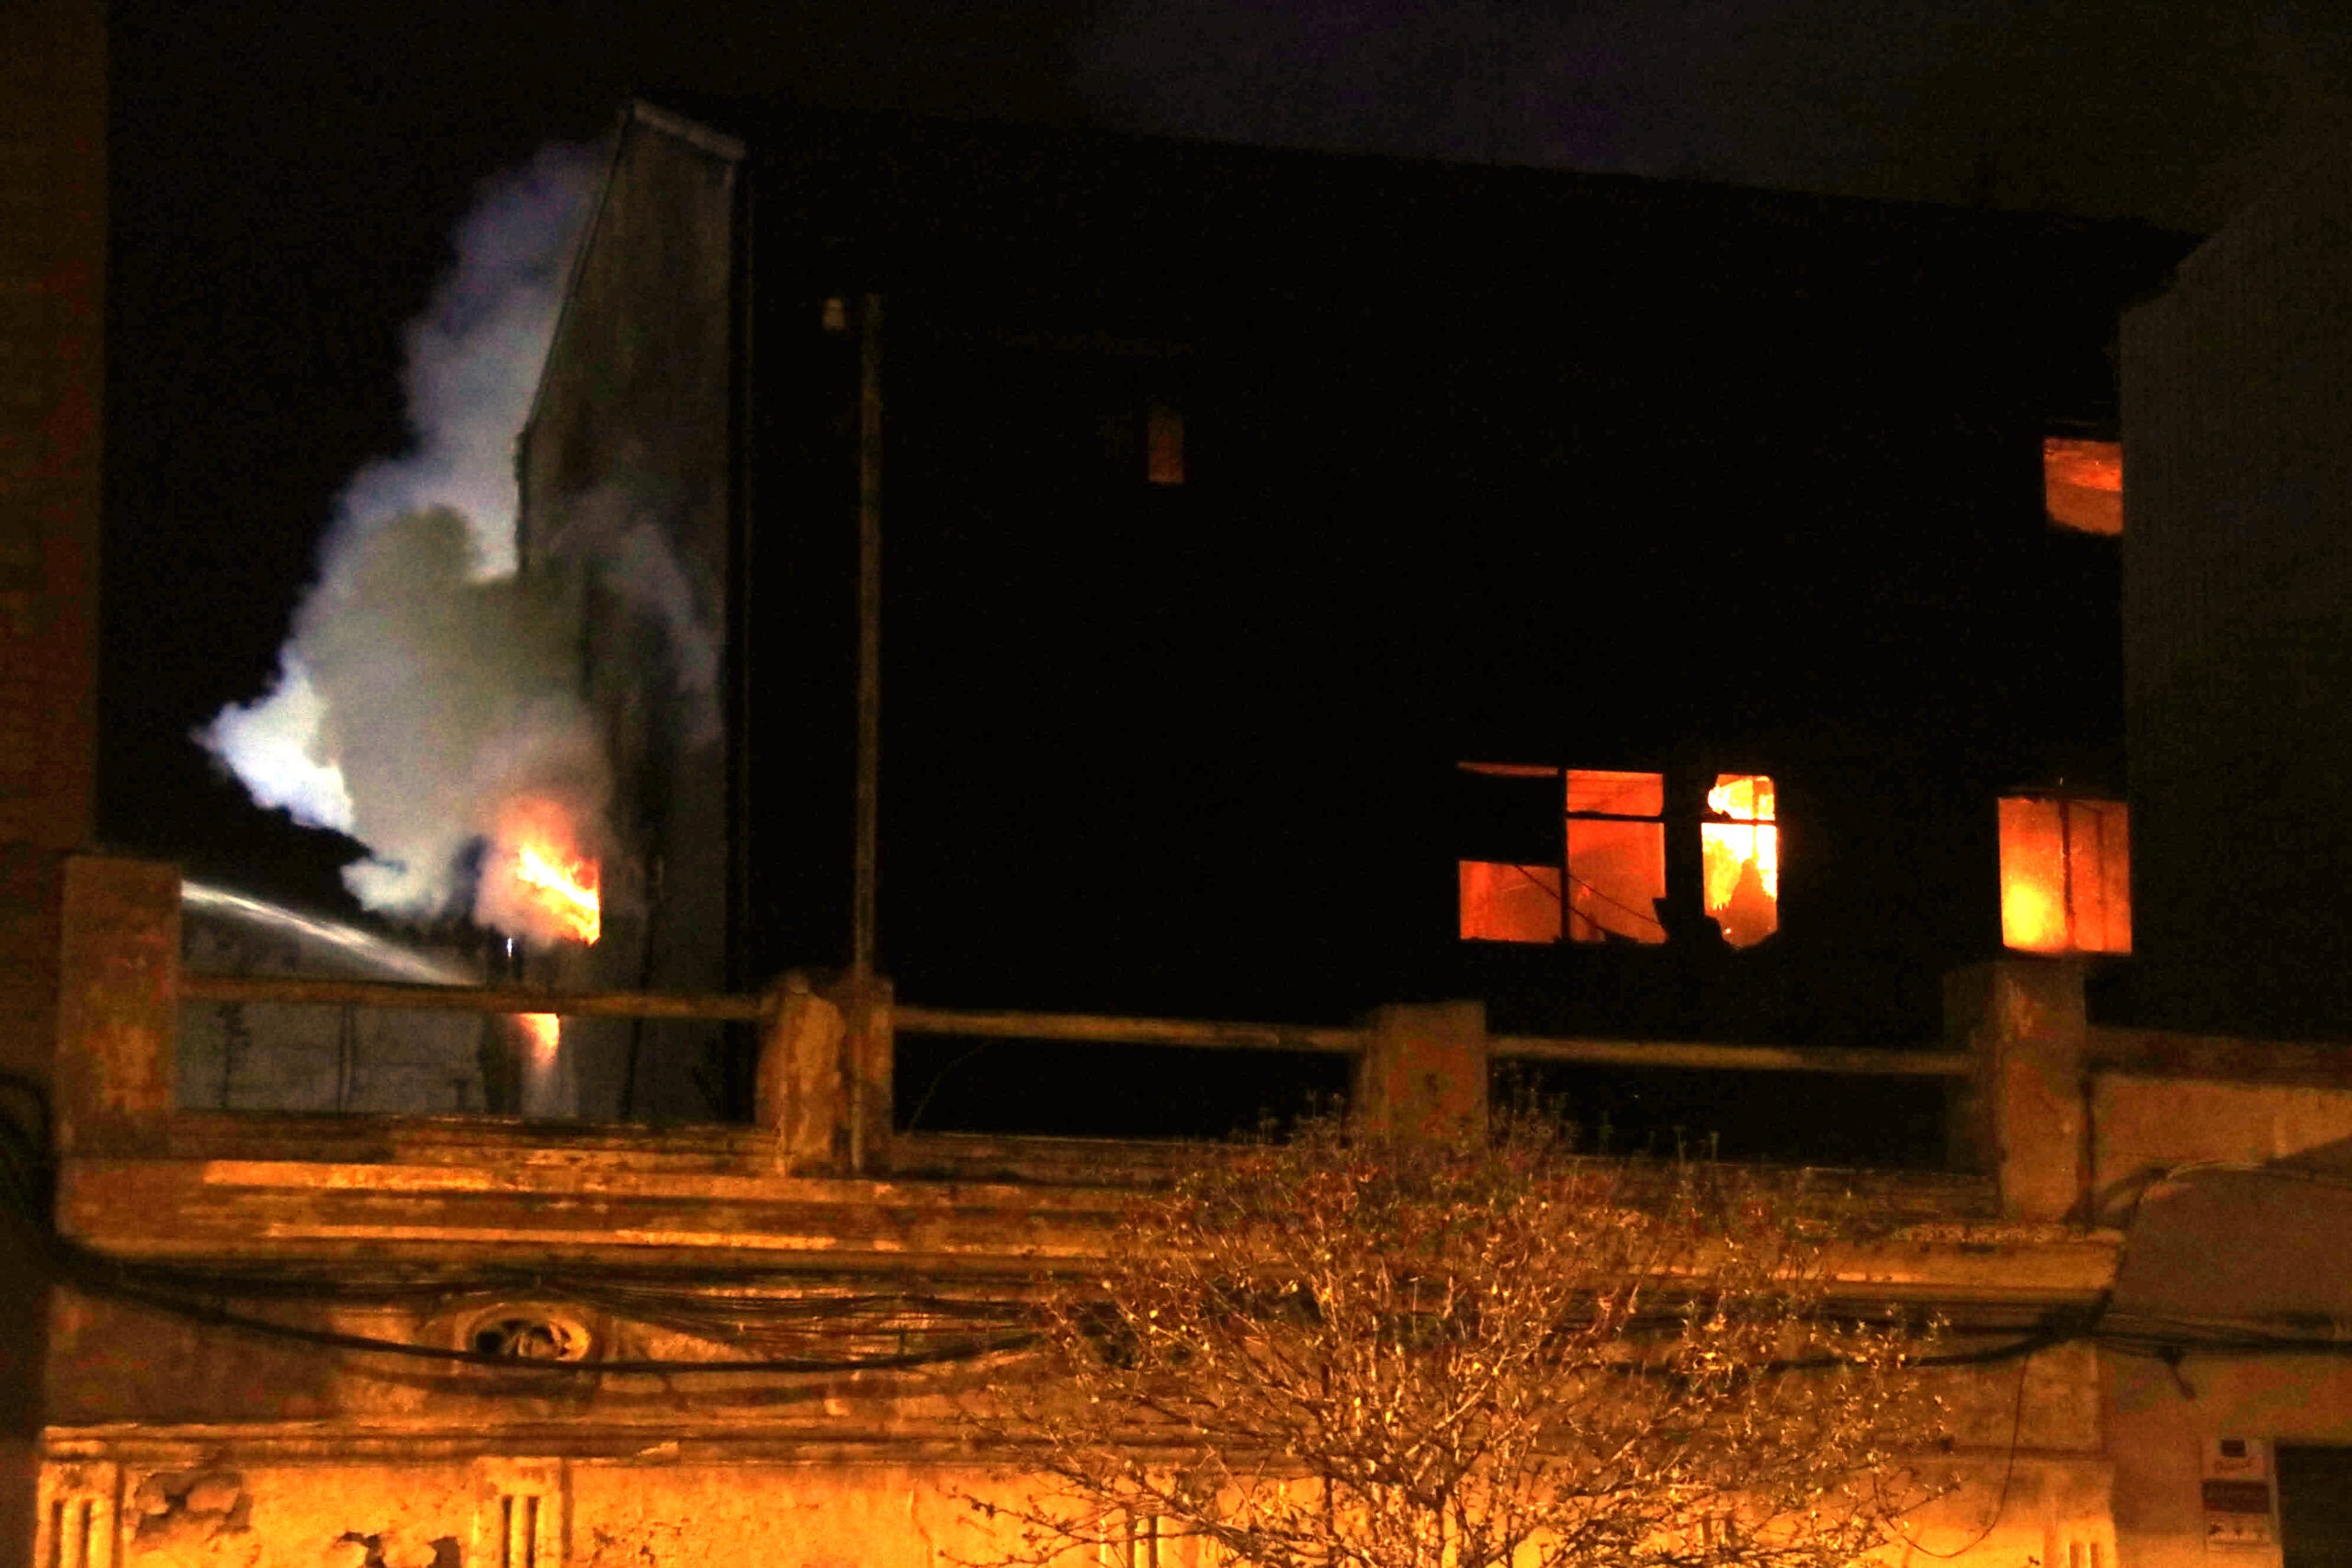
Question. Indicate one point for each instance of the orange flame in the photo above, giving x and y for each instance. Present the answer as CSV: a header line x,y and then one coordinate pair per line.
x,y
568,887
544,1031
1743,858
2065,874
550,885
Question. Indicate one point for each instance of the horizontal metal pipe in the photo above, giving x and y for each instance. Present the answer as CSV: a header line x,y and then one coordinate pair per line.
x,y
1098,1029
1733,1058
302,989
1102,1029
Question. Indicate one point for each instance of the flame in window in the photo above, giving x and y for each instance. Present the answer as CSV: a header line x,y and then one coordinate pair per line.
x,y
2065,874
1742,858
1502,902
2082,484
1616,856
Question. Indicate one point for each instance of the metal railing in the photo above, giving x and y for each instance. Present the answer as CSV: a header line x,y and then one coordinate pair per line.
x,y
1102,1029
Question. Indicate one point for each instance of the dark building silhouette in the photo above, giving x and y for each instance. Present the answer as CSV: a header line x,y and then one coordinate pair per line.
x,y
2238,619
1235,499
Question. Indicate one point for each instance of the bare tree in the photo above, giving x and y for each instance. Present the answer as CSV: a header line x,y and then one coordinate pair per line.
x,y
1341,1352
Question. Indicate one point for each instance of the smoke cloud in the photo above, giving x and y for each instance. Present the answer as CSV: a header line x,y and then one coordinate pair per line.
x,y
427,687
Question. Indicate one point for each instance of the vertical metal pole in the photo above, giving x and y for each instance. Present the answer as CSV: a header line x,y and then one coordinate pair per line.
x,y
869,712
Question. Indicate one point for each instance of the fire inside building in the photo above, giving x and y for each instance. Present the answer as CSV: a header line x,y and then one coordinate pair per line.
x,y
1269,633
1665,642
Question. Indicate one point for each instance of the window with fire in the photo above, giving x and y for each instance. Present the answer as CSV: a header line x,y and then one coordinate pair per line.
x,y
2065,874
2082,484
1601,874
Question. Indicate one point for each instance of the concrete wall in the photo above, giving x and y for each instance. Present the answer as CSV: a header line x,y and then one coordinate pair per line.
x,y
2160,1427
52,271
680,1502
263,1056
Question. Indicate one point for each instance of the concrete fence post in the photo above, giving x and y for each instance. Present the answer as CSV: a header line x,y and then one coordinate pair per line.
x,y
117,998
1423,1071
2022,1118
799,1095
823,1084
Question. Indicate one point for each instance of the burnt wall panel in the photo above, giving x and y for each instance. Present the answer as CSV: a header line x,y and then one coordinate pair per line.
x,y
2238,617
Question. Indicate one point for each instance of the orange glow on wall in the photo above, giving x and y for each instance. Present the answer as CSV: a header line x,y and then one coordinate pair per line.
x,y
1741,858
2082,484
1502,902
1616,856
2065,874
1164,446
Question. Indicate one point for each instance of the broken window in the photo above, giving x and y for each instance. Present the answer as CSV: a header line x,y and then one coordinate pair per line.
x,y
1740,850
2065,874
1606,871
2082,484
1502,902
1616,856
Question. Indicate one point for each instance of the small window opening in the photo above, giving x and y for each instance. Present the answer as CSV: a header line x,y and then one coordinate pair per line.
x,y
1741,856
2082,484
1164,446
1502,902
2065,874
1616,856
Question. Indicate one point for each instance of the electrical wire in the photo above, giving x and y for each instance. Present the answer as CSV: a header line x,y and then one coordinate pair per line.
x,y
2008,1473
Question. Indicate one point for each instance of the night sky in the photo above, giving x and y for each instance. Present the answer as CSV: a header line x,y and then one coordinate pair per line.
x,y
285,177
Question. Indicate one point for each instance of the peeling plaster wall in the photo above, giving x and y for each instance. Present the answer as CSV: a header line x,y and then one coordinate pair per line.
x,y
442,1483
658,1511
2161,1426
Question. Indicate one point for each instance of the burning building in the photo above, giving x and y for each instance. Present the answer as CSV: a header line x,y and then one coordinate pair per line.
x,y
1678,623
1630,603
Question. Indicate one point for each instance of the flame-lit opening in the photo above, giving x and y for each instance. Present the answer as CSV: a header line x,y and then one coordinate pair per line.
x,y
1502,902
1616,856
543,884
2065,876
1742,858
543,1036
2082,484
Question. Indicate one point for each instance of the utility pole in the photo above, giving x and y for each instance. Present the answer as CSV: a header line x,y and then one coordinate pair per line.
x,y
861,1020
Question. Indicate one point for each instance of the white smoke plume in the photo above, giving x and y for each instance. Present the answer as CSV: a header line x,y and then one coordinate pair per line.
x,y
426,687
626,547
